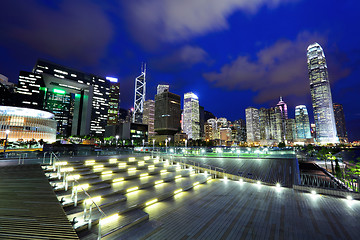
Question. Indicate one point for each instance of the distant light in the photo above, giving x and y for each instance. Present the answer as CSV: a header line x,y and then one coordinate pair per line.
x,y
258,183
278,185
349,197
313,192
241,180
112,79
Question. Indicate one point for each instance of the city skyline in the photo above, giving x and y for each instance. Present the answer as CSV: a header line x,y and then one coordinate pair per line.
x,y
263,57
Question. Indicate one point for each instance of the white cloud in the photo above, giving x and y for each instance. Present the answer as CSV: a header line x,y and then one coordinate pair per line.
x,y
154,21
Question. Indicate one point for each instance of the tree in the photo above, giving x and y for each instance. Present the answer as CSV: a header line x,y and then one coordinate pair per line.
x,y
281,145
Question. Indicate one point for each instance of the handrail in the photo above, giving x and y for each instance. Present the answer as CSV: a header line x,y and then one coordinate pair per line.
x,y
90,210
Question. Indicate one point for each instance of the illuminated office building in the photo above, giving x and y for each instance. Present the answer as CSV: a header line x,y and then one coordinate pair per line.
x,y
167,113
191,122
78,100
114,101
149,116
340,122
321,95
7,92
302,122
27,124
31,90
252,125
290,130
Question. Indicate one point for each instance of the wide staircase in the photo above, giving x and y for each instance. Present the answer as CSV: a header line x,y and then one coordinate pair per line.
x,y
105,197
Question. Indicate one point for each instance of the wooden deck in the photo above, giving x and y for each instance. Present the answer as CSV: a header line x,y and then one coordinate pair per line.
x,y
29,208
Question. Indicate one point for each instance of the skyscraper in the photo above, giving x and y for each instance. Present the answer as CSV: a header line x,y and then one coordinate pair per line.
x,y
302,122
252,124
284,115
321,95
340,122
78,100
139,96
167,113
149,116
114,101
162,88
31,90
191,122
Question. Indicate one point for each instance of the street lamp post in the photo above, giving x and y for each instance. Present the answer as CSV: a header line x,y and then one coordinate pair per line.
x,y
143,141
185,146
123,142
169,143
166,145
6,139
117,139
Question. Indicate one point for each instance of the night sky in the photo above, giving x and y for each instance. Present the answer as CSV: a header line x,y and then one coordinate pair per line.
x,y
232,53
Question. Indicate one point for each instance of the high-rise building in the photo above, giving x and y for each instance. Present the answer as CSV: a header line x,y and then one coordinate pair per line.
x,y
191,122
252,124
31,90
290,127
114,101
167,113
149,116
276,125
340,122
321,95
78,100
162,88
264,124
284,115
302,122
139,96
208,128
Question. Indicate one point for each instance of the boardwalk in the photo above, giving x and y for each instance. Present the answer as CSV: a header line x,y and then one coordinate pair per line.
x,y
231,210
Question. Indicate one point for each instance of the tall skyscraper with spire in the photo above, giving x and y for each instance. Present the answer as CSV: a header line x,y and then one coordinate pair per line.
x,y
321,95
139,97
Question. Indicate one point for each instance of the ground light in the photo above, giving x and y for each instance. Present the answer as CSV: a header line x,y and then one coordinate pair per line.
x,y
278,185
349,197
94,199
258,183
118,180
151,202
178,191
225,178
159,182
109,219
313,192
241,180
132,189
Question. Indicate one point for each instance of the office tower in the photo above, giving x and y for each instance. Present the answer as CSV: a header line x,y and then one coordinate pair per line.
x,y
276,124
30,90
340,122
191,122
284,115
208,128
321,95
78,100
225,135
208,115
167,113
264,124
149,116
162,88
114,101
252,124
290,127
139,97
241,128
125,115
302,122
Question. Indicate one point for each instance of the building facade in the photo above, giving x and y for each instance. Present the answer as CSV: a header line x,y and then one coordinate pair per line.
x,y
114,101
191,119
149,116
252,125
26,124
340,122
321,95
162,88
78,100
302,122
167,113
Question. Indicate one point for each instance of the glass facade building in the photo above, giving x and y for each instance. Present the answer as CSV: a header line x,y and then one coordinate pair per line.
x,y
191,120
167,113
114,101
302,122
149,116
321,95
27,124
252,125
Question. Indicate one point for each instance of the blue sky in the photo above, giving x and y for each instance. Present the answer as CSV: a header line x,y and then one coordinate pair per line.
x,y
231,53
